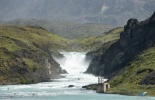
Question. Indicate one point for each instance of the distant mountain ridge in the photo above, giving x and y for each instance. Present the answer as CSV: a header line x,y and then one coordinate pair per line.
x,y
65,29
113,12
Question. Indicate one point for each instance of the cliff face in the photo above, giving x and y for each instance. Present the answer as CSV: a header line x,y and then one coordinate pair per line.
x,y
137,37
25,55
25,67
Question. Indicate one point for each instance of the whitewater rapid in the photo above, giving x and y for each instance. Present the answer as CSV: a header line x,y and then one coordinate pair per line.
x,y
75,64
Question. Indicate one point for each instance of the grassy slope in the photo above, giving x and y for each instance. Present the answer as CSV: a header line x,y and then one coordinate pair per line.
x,y
95,42
33,35
22,49
127,81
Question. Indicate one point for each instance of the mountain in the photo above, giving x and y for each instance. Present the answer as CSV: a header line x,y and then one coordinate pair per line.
x,y
70,30
113,12
26,55
129,63
137,37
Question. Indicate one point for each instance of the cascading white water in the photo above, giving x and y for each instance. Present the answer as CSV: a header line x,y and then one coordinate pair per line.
x,y
75,64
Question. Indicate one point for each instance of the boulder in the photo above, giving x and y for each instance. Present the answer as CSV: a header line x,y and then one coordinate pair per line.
x,y
70,86
148,79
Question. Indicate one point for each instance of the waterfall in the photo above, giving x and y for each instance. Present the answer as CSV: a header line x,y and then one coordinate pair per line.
x,y
73,63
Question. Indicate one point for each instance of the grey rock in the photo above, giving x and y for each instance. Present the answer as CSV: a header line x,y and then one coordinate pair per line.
x,y
148,79
137,37
71,86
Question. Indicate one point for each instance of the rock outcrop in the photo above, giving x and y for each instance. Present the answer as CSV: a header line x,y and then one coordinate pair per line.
x,y
148,79
137,37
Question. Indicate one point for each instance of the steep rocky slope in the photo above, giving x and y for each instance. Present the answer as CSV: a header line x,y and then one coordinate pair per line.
x,y
25,54
137,76
137,37
129,63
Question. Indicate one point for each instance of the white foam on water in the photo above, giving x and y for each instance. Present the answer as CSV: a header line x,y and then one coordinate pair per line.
x,y
74,63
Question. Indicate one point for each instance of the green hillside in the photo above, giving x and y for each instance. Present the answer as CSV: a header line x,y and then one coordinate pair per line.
x,y
25,53
32,37
129,80
93,43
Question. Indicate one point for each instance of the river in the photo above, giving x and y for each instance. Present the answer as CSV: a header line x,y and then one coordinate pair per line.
x,y
75,64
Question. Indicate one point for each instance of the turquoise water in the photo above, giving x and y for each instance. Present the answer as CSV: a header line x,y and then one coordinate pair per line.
x,y
43,91
58,89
